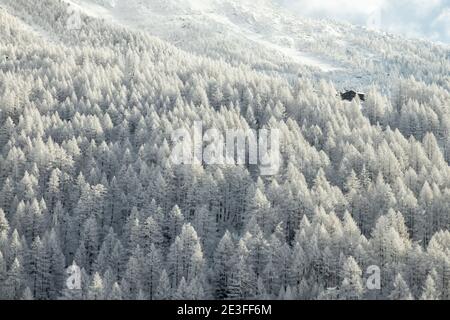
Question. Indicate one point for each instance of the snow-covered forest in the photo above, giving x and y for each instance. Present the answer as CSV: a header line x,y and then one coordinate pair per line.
x,y
86,118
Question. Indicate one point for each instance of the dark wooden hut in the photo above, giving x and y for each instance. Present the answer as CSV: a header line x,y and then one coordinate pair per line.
x,y
350,95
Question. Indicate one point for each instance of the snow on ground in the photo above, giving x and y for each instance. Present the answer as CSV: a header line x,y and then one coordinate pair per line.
x,y
286,49
298,56
92,9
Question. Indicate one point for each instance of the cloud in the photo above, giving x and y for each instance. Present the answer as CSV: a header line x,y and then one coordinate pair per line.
x,y
418,18
442,22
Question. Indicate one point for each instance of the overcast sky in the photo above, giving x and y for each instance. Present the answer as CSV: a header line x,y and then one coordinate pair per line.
x,y
414,18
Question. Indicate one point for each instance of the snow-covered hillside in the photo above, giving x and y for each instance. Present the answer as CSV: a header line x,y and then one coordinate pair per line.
x,y
181,22
275,39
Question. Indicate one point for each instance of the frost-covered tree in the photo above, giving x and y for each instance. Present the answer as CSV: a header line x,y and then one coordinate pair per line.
x,y
352,287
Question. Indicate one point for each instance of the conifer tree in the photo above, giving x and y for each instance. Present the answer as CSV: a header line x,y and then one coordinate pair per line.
x,y
352,284
401,290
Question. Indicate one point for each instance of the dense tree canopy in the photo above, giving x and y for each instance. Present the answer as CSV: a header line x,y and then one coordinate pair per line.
x,y
85,172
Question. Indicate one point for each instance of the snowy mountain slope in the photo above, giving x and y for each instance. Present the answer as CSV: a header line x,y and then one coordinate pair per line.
x,y
275,39
87,179
229,20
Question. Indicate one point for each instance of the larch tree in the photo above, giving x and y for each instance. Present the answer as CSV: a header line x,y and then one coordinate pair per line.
x,y
351,287
401,290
